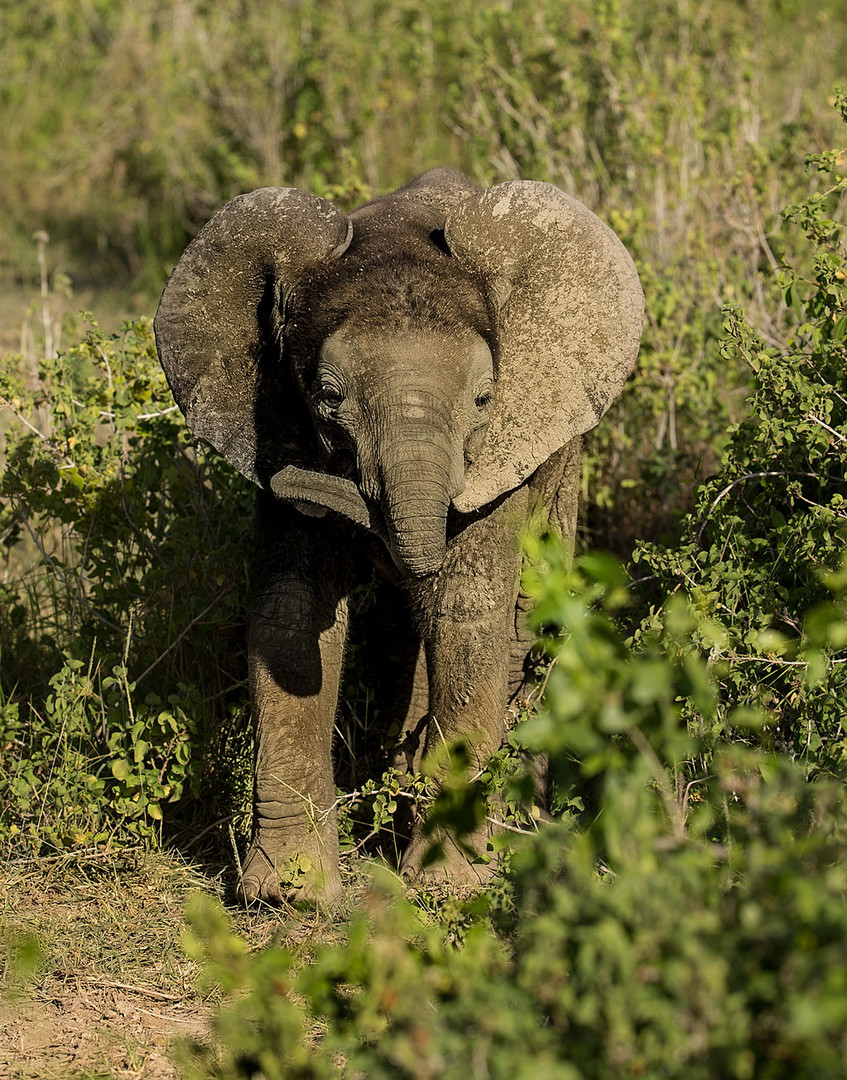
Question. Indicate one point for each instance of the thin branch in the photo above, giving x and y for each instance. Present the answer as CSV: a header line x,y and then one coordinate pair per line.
x,y
688,787
742,479
820,506
771,660
538,691
674,810
146,991
101,352
826,427
179,638
6,404
511,828
153,415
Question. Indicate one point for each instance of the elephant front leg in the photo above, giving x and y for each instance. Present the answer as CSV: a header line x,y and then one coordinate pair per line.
x,y
298,625
467,616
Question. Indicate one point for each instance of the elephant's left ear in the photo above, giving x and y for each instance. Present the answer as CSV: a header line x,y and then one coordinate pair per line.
x,y
570,317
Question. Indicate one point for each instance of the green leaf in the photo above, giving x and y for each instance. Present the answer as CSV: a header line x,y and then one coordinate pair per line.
x,y
121,769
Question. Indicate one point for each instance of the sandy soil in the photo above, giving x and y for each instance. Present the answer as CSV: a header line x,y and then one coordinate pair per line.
x,y
88,1026
113,989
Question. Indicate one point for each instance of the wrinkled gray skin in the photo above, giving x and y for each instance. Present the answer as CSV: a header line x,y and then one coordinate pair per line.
x,y
407,386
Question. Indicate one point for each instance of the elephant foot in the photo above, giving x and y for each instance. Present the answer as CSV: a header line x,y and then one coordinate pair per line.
x,y
454,869
274,874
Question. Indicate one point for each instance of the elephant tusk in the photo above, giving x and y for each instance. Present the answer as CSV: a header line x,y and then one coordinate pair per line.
x,y
320,492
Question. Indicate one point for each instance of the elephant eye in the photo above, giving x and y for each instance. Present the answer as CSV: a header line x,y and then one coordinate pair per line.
x,y
329,394
483,395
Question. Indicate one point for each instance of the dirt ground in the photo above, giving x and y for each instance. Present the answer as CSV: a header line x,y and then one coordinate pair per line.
x,y
88,1027
112,989
109,990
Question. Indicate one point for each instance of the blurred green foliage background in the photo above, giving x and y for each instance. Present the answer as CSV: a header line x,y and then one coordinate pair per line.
x,y
684,915
682,123
127,125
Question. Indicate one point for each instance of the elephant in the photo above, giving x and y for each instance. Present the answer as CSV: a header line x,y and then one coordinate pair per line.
x,y
407,385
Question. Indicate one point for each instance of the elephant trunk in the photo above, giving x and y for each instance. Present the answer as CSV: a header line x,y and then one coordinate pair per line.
x,y
417,497
418,469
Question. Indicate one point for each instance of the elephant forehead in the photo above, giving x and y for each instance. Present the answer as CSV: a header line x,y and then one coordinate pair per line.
x,y
451,359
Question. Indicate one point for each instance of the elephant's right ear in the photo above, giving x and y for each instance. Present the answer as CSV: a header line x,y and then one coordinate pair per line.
x,y
209,326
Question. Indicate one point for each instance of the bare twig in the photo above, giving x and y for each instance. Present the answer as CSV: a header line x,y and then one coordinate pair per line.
x,y
101,352
153,415
511,828
687,792
231,834
145,991
6,404
538,691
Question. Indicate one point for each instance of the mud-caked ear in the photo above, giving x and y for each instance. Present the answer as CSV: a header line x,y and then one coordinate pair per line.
x,y
212,326
570,313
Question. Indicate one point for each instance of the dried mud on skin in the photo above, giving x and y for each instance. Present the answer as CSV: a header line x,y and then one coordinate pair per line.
x,y
114,989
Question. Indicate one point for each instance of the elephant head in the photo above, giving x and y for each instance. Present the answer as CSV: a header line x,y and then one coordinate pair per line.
x,y
428,351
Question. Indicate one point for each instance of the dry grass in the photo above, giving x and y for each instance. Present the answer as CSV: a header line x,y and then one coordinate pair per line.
x,y
114,989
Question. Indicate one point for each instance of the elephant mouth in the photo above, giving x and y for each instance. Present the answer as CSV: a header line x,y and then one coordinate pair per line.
x,y
315,493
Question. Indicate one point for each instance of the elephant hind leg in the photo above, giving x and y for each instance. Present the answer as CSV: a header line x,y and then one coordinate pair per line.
x,y
386,661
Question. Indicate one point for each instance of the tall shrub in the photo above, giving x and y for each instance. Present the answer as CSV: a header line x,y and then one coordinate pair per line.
x,y
768,531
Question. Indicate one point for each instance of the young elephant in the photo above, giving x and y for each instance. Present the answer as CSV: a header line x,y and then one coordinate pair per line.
x,y
407,386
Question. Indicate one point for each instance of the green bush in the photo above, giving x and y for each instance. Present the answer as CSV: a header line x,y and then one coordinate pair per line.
x,y
769,529
692,924
122,630
89,761
168,112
